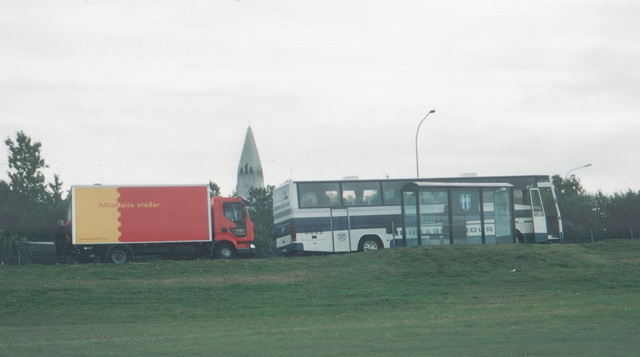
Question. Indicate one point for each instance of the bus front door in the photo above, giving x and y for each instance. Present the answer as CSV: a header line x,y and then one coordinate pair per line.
x,y
539,218
340,228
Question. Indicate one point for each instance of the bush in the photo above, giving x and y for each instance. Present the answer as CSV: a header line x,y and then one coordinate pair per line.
x,y
575,233
9,248
265,242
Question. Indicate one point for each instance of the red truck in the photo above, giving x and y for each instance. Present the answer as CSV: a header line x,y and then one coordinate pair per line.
x,y
119,223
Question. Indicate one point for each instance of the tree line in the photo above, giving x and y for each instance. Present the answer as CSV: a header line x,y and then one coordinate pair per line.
x,y
596,216
29,206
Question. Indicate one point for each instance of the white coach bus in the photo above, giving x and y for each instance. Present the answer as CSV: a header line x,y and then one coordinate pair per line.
x,y
361,215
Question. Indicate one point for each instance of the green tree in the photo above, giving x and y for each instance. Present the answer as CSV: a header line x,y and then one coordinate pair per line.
x,y
55,191
5,205
215,189
580,216
33,206
261,210
598,216
26,164
620,214
9,246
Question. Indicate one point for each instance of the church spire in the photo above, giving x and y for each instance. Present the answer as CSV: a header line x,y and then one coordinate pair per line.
x,y
249,169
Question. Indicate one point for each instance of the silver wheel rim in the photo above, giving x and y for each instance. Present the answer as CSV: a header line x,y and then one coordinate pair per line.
x,y
369,246
226,253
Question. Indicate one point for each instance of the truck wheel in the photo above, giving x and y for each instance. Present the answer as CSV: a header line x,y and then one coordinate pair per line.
x,y
224,251
369,243
119,255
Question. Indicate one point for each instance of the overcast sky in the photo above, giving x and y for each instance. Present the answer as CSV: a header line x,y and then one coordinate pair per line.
x,y
162,92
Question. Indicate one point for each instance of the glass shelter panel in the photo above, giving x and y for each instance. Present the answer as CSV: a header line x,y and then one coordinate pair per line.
x,y
503,216
410,214
489,216
434,217
466,223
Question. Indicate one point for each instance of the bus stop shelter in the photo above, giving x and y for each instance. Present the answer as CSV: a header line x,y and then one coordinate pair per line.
x,y
439,213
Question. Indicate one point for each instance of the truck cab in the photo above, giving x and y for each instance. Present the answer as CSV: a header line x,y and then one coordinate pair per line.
x,y
232,228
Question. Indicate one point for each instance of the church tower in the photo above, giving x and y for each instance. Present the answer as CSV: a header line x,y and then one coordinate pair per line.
x,y
250,169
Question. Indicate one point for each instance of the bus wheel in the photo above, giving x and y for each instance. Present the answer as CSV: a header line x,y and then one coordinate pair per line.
x,y
519,237
369,243
224,250
119,255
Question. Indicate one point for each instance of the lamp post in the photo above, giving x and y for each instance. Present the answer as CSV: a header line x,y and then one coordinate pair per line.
x,y
577,168
417,131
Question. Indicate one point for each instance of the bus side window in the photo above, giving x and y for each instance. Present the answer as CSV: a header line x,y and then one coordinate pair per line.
x,y
361,194
519,196
391,192
308,199
319,195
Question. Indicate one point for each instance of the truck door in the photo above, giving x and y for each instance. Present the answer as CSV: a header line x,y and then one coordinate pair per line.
x,y
341,229
236,213
539,218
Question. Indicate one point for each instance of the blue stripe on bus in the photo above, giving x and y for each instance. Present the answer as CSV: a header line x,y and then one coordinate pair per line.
x,y
278,215
381,221
323,224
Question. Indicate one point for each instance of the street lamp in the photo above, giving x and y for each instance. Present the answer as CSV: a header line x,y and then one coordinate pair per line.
x,y
418,130
572,170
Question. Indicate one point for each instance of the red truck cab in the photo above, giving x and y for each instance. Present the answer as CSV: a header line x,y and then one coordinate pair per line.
x,y
232,228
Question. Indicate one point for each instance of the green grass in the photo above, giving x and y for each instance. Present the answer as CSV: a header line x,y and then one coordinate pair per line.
x,y
510,300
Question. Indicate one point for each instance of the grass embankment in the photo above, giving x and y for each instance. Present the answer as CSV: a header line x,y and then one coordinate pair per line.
x,y
510,300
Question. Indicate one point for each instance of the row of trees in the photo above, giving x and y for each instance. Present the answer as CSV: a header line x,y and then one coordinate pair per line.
x,y
29,206
591,217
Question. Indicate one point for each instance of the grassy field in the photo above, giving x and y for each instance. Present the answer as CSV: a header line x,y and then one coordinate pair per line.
x,y
510,300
